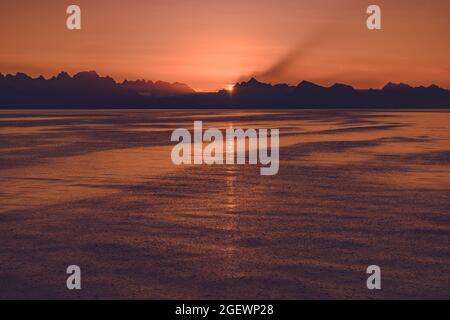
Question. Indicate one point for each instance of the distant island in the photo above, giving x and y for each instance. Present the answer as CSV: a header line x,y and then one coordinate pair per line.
x,y
89,90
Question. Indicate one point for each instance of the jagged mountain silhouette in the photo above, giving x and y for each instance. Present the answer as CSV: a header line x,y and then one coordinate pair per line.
x,y
89,90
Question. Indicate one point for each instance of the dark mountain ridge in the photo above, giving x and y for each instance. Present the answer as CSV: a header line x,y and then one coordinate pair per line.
x,y
308,94
89,90
83,89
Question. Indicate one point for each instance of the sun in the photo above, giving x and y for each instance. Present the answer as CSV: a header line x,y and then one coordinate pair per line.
x,y
230,88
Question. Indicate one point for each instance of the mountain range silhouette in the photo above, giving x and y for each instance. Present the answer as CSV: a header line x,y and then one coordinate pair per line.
x,y
89,90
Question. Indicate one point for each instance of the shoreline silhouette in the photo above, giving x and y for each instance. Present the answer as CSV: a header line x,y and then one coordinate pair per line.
x,y
89,90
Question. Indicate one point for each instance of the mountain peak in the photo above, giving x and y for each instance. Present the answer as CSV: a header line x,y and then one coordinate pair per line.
x,y
63,76
396,86
23,76
305,83
341,87
308,87
85,75
252,83
308,84
435,87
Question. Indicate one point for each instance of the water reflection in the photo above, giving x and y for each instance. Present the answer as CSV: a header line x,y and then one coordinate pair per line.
x,y
230,193
354,188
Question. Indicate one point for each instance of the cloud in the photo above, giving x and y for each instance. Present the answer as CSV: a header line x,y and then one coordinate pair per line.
x,y
282,68
283,65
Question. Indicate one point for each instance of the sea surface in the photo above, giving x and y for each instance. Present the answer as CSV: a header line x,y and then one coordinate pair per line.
x,y
97,189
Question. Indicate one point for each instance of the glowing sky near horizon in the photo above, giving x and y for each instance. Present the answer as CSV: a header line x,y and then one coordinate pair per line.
x,y
212,44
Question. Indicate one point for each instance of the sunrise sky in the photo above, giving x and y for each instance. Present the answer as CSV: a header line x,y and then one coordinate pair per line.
x,y
210,44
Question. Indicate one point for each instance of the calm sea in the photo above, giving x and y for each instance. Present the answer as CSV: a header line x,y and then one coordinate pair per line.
x,y
98,189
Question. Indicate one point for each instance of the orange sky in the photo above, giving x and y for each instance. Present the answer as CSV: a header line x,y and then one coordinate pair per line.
x,y
209,44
